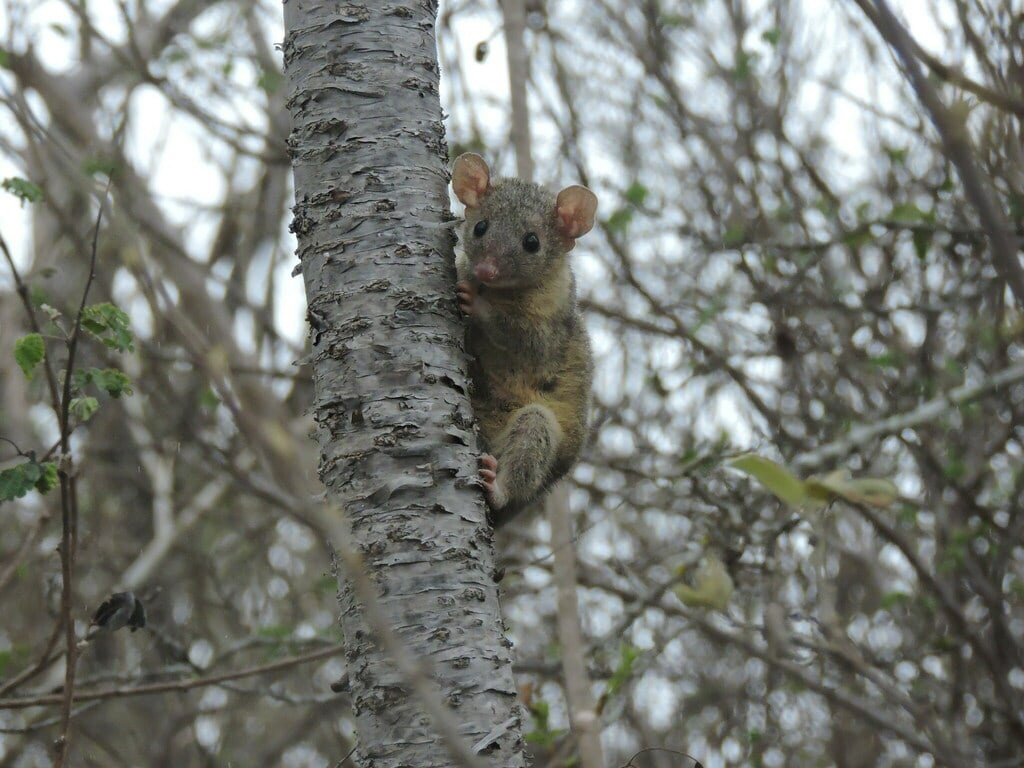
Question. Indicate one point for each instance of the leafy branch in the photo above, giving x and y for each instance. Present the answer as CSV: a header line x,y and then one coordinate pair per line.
x,y
69,401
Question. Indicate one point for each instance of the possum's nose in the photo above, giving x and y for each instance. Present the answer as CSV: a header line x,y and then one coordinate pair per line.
x,y
486,270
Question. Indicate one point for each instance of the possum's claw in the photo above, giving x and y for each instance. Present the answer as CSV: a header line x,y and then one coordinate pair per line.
x,y
493,489
466,293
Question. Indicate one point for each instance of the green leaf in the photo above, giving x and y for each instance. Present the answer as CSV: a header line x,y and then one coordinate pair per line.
x,y
734,235
772,36
83,408
628,655
542,734
712,586
40,299
907,213
893,599
858,237
25,190
874,491
32,471
16,656
744,65
889,359
176,55
29,352
114,382
4,58
897,155
48,479
546,739
954,467
673,20
826,206
110,380
16,481
952,558
784,212
619,220
208,399
99,165
922,239
907,514
774,477
110,325
708,314
636,194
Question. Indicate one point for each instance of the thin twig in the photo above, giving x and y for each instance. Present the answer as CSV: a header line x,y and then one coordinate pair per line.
x,y
586,723
69,505
947,599
956,146
174,685
926,412
33,321
15,562
46,658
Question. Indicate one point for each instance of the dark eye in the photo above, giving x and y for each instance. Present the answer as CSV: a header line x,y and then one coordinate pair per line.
x,y
531,243
480,228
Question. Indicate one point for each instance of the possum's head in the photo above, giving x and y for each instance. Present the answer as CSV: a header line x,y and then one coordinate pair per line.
x,y
516,233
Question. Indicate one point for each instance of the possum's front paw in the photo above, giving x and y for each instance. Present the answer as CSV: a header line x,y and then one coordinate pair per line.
x,y
469,299
497,497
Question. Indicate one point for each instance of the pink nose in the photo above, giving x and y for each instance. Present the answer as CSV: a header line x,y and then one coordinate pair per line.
x,y
485,271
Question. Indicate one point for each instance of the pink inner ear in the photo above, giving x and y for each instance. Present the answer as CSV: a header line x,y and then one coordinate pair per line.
x,y
576,207
574,220
571,224
471,191
470,179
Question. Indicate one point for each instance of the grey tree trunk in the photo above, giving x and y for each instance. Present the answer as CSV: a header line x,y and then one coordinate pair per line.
x,y
398,449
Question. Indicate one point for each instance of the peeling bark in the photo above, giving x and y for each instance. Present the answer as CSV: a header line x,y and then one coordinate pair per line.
x,y
397,444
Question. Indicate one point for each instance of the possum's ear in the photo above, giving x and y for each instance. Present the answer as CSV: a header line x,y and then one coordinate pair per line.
x,y
471,179
575,208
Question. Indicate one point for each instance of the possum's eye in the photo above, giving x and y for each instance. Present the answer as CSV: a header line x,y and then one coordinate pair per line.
x,y
480,228
531,243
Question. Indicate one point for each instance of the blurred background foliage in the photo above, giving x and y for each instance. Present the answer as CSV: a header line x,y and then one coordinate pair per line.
x,y
787,263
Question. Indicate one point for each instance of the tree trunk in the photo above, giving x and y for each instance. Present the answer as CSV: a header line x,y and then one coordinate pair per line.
x,y
398,450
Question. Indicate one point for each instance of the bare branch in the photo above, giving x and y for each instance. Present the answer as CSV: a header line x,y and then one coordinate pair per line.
x,y
957,147
929,411
514,12
585,719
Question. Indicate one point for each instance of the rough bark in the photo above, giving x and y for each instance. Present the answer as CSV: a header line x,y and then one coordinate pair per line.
x,y
398,450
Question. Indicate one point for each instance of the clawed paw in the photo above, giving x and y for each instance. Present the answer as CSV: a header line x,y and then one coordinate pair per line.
x,y
466,293
496,496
